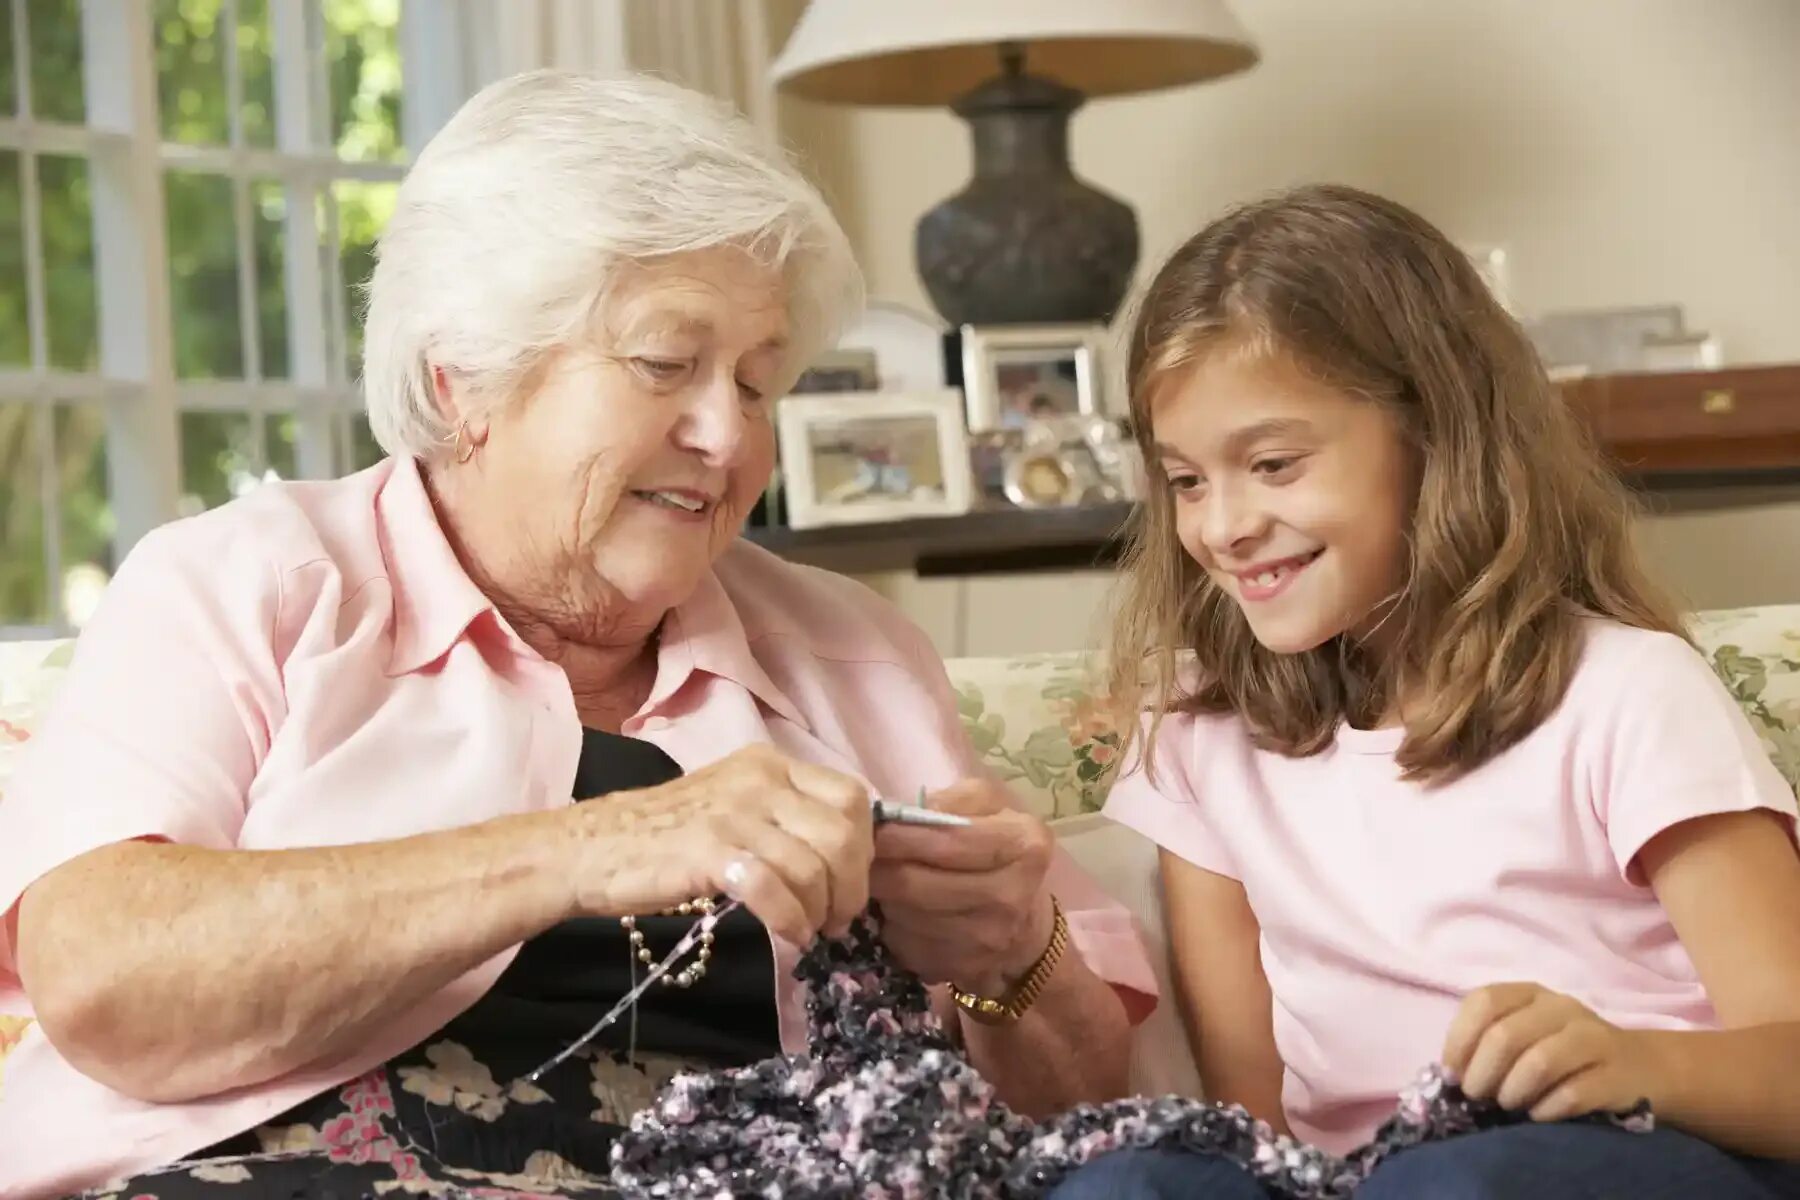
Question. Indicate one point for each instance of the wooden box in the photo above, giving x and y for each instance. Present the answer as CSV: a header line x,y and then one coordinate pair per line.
x,y
1740,419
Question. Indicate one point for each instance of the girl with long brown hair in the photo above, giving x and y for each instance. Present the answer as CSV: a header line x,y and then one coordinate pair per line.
x,y
1434,772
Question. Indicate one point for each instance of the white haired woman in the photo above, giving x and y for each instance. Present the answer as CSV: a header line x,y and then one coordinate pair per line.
x,y
292,878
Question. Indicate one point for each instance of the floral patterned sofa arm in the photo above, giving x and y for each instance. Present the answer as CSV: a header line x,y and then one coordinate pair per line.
x,y
1756,651
1034,721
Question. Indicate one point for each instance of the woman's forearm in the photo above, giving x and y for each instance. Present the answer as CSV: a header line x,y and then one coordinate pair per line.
x,y
1072,1047
169,972
1737,1088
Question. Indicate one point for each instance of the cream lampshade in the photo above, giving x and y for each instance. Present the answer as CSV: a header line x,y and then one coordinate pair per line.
x,y
1026,240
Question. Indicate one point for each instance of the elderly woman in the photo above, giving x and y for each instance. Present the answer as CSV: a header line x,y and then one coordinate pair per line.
x,y
292,878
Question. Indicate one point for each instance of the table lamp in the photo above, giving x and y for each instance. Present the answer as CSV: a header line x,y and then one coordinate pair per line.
x,y
1025,241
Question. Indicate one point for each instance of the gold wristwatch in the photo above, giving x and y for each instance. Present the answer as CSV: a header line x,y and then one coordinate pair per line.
x,y
1015,1003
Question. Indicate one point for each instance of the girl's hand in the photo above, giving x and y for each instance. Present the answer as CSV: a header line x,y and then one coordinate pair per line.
x,y
791,840
1533,1049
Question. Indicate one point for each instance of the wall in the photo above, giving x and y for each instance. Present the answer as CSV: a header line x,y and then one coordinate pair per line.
x,y
1623,151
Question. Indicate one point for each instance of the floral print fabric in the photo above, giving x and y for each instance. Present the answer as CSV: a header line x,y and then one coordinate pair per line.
x,y
436,1122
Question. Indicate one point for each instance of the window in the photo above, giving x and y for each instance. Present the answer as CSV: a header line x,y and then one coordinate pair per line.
x,y
190,192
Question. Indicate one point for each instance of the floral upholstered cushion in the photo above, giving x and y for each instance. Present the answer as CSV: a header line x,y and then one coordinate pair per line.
x,y
1756,651
1034,721
29,672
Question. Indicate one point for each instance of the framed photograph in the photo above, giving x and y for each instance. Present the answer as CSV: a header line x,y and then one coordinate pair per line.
x,y
989,452
1014,374
908,346
854,458
840,370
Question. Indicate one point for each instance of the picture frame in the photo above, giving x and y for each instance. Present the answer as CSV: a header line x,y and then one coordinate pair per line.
x,y
845,369
908,345
989,452
1013,374
854,458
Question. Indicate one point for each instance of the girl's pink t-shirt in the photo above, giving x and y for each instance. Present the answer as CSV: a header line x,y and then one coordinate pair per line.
x,y
1383,903
311,666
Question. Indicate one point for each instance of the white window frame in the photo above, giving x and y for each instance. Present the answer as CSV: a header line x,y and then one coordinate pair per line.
x,y
122,141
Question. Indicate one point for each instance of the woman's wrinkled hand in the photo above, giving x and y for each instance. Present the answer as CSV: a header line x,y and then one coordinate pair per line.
x,y
1537,1051
790,839
969,905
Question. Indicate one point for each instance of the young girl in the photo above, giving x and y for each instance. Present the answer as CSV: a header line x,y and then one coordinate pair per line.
x,y
1442,781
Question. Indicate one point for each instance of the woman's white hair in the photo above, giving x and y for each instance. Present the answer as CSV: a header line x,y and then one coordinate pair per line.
x,y
517,215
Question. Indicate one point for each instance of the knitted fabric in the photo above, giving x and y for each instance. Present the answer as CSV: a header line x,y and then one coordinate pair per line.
x,y
883,1106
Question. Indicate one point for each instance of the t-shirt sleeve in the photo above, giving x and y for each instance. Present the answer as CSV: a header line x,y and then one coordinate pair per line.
x,y
1161,800
1677,746
161,722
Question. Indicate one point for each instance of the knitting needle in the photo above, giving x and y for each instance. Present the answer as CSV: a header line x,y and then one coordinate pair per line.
x,y
893,812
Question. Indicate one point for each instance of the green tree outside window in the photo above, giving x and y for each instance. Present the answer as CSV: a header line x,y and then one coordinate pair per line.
x,y
361,46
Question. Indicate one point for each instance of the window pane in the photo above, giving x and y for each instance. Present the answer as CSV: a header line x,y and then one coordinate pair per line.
x,y
363,211
362,47
69,303
218,459
55,58
9,80
85,508
268,217
365,451
203,276
15,338
190,71
24,586
256,65
281,436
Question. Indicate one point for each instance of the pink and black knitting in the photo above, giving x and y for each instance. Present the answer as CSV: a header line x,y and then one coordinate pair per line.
x,y
884,1107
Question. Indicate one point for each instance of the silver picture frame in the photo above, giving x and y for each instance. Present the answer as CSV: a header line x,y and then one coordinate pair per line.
x,y
1015,373
859,458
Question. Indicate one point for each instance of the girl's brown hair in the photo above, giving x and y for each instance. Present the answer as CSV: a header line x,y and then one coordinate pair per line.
x,y
1519,529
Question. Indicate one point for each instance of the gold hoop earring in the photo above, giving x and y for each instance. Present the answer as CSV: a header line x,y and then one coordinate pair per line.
x,y
462,446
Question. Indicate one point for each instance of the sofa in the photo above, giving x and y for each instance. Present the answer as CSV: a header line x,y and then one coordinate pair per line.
x,y
1035,723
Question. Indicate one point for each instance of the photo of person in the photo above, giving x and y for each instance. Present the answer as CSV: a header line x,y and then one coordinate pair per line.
x,y
1016,377
865,459
1033,385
